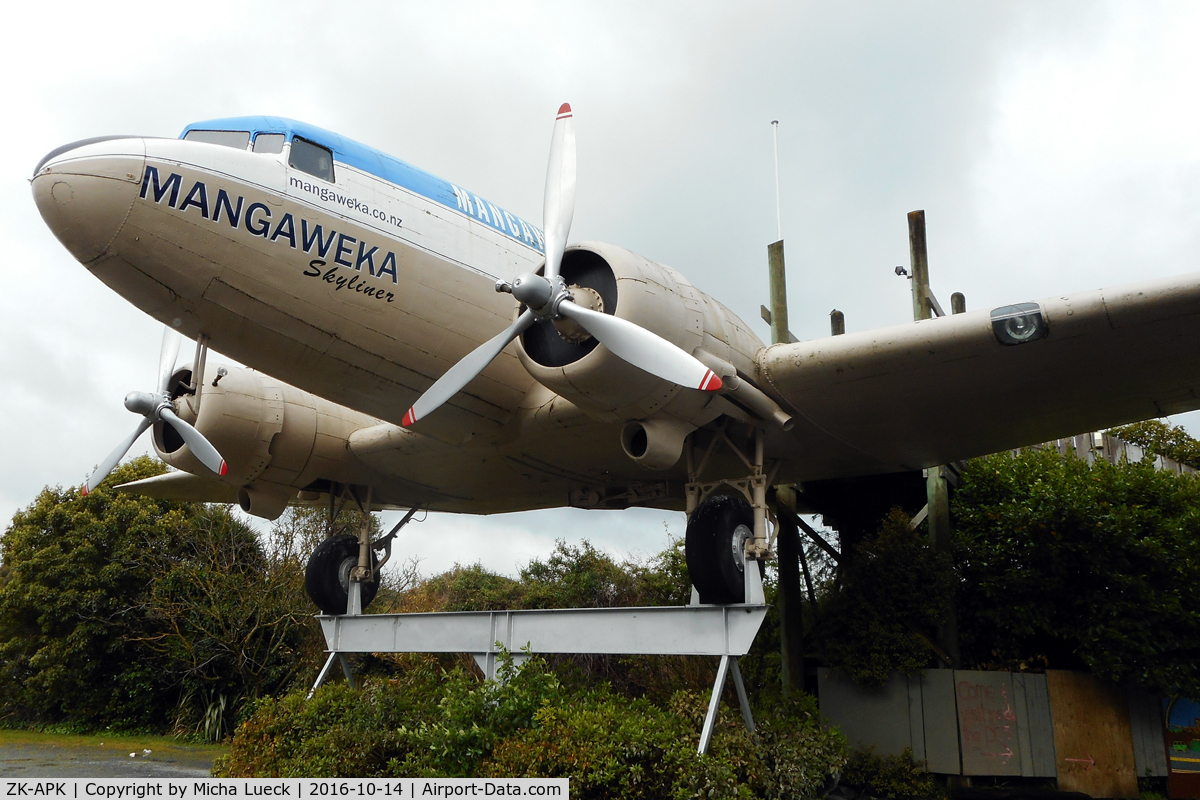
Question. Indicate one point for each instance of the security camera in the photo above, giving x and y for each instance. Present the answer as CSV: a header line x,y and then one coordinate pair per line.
x,y
902,271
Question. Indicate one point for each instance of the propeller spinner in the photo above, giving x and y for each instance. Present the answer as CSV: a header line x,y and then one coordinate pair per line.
x,y
157,407
547,298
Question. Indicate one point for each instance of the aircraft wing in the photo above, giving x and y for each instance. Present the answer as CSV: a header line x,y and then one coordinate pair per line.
x,y
945,389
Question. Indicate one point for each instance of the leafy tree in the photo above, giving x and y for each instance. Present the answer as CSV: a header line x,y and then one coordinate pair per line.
x,y
1162,439
125,611
894,593
74,573
235,622
1081,566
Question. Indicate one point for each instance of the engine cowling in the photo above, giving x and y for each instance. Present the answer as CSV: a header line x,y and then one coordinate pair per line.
x,y
653,296
276,439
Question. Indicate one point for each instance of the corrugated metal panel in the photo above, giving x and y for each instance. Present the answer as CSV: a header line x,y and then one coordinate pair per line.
x,y
1035,729
867,718
1024,745
987,723
940,716
1146,722
916,718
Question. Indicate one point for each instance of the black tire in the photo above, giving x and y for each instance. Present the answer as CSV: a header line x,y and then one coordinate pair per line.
x,y
715,530
327,576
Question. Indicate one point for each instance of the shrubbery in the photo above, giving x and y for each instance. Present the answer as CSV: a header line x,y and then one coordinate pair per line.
x,y
427,722
1057,563
1081,566
127,612
891,776
893,594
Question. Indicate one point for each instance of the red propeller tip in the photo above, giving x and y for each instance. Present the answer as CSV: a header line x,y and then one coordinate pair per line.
x,y
564,110
711,382
84,489
409,419
223,470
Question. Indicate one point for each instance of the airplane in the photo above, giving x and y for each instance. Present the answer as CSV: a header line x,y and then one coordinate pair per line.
x,y
410,344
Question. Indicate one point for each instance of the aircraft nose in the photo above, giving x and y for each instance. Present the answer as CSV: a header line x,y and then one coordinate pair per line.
x,y
84,191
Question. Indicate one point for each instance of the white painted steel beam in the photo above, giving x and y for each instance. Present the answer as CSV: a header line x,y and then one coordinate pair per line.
x,y
661,630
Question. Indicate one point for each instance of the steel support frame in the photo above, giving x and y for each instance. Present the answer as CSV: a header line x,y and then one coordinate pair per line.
x,y
694,630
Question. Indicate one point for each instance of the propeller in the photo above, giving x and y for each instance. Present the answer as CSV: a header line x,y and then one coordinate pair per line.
x,y
157,407
547,298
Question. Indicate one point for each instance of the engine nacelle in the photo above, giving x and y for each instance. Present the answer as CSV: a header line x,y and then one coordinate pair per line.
x,y
658,299
275,438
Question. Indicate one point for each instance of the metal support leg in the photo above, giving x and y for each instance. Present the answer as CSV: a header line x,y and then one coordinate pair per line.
x,y
728,664
710,719
322,675
743,700
354,598
753,582
349,673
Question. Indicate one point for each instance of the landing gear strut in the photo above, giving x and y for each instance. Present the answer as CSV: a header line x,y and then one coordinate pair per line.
x,y
342,576
726,540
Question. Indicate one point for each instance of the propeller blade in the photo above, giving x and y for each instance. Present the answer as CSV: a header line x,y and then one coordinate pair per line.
x,y
643,349
166,357
201,447
106,466
464,371
558,205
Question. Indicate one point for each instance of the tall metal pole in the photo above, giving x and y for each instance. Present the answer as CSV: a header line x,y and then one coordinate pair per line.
x,y
778,213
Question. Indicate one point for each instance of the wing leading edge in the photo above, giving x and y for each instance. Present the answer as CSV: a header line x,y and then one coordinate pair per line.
x,y
945,389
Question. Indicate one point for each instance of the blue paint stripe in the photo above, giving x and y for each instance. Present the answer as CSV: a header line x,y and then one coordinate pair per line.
x,y
367,159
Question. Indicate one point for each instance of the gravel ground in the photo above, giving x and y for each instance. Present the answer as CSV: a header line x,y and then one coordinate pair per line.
x,y
71,757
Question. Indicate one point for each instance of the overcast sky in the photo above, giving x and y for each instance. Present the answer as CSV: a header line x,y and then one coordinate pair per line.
x,y
1053,146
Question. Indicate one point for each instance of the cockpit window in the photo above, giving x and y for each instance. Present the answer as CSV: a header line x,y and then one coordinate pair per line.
x,y
311,158
269,143
238,139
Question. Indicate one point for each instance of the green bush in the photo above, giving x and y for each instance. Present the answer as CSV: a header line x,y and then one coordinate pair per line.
x,y
890,776
1161,439
122,611
432,723
1081,566
74,573
893,594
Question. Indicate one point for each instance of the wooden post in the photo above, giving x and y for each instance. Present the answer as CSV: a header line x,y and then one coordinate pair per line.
x,y
778,289
790,601
791,613
937,491
919,258
837,322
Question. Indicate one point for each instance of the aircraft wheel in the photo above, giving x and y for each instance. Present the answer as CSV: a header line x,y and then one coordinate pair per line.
x,y
327,576
716,533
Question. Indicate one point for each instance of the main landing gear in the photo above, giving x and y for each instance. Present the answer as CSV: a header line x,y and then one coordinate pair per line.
x,y
327,577
342,575
726,540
